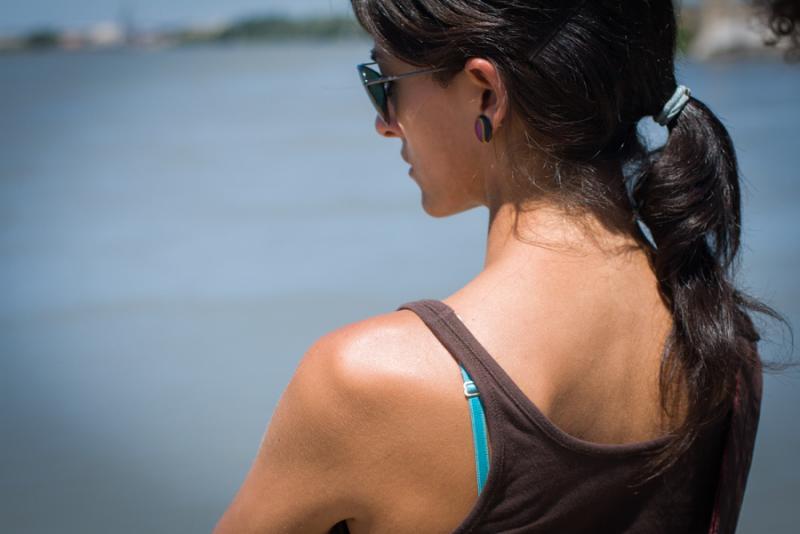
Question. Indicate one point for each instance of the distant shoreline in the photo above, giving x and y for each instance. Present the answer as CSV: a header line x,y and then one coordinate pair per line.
x,y
725,37
110,35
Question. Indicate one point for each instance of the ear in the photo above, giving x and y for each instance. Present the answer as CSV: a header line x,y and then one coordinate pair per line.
x,y
486,78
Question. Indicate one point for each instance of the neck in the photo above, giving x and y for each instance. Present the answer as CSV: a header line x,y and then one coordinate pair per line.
x,y
544,226
548,229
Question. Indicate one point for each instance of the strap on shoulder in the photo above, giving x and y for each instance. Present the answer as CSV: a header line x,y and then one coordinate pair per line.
x,y
445,325
478,428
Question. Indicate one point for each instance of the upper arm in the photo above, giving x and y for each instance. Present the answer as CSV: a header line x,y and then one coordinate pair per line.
x,y
308,473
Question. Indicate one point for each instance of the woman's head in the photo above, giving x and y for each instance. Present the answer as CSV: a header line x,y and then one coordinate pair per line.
x,y
574,79
436,125
564,85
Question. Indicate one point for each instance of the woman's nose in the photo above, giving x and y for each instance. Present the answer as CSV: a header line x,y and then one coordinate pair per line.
x,y
386,129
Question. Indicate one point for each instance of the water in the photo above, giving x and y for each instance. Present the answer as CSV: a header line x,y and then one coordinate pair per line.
x,y
178,226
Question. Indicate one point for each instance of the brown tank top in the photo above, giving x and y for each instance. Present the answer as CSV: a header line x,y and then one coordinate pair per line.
x,y
542,480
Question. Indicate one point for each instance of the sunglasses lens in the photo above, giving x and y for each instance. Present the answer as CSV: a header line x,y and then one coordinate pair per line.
x,y
376,91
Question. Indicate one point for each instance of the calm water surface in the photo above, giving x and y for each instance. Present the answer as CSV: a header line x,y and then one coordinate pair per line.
x,y
178,226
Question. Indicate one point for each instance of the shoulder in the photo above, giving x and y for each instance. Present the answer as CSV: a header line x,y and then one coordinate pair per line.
x,y
359,372
370,354
406,412
403,410
377,371
351,407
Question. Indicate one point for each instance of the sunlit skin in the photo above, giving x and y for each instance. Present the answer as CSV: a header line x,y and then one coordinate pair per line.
x,y
374,428
435,125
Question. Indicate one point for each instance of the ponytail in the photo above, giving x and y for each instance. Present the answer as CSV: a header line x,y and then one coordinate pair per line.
x,y
687,194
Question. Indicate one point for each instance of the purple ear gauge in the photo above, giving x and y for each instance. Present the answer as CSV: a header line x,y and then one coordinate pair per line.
x,y
483,129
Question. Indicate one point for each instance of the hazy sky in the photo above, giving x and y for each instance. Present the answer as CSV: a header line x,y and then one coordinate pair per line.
x,y
23,15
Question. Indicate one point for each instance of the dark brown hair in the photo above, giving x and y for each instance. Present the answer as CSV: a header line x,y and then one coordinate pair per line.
x,y
580,76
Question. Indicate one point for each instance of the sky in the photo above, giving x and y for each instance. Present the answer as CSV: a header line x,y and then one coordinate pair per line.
x,y
24,15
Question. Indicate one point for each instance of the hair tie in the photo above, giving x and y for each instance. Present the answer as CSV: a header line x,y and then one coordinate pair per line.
x,y
674,105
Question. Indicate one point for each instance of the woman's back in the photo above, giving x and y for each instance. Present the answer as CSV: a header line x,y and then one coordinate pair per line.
x,y
543,478
565,348
579,325
577,337
546,480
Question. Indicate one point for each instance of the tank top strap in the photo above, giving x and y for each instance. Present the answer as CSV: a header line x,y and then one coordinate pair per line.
x,y
472,358
458,340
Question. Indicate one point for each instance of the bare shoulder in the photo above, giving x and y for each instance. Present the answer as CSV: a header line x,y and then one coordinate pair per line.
x,y
357,435
383,369
379,351
405,391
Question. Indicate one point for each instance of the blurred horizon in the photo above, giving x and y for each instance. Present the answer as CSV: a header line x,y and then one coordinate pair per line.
x,y
21,16
708,29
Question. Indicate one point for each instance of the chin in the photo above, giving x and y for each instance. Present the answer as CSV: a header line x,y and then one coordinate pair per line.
x,y
431,208
440,210
434,213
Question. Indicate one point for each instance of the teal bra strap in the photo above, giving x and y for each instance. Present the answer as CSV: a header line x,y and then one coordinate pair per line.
x,y
478,429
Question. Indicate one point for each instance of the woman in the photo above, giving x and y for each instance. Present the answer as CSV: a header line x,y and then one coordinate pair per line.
x,y
603,346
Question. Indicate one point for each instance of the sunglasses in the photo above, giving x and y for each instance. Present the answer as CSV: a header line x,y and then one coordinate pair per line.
x,y
378,87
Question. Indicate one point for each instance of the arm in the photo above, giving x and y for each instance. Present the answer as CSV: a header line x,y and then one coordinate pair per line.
x,y
306,476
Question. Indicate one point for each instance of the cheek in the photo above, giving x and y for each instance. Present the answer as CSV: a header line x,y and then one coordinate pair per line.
x,y
443,140
454,153
440,141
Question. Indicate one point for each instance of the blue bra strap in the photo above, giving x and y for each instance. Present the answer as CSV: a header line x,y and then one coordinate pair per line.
x,y
478,428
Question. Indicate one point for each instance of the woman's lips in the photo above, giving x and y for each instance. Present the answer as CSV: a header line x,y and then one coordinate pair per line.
x,y
410,167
